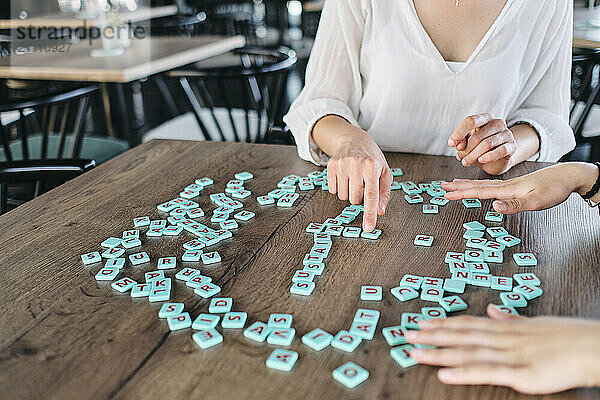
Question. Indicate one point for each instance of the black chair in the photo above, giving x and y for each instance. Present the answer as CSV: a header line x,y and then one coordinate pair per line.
x,y
43,144
242,96
585,92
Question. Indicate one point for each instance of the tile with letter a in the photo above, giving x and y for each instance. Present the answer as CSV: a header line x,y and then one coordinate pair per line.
x,y
365,330
513,299
258,331
530,292
123,284
423,240
281,336
154,275
411,320
453,304
219,305
302,288
141,290
282,360
205,322
402,356
169,309
506,309
280,321
206,339
371,293
139,258
454,257
244,215
107,274
525,259
167,263
503,283
207,290
346,341
317,339
350,374
404,293
198,280
528,278
181,321
91,258
471,203
394,335
234,320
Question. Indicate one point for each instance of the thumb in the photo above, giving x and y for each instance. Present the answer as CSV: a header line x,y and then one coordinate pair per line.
x,y
508,206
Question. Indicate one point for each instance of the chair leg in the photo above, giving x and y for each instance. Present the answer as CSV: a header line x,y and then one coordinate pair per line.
x,y
163,88
3,198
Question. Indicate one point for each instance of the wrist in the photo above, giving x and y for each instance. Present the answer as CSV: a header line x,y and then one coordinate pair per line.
x,y
584,176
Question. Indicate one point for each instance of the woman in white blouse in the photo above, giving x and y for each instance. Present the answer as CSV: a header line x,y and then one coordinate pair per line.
x,y
485,80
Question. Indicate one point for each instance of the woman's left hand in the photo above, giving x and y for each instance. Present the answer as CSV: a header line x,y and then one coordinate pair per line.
x,y
486,142
531,355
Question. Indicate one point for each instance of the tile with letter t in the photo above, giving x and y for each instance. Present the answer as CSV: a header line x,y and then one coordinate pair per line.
x,y
281,336
282,360
139,258
525,259
170,309
302,288
471,203
351,232
366,315
371,293
258,331
404,293
91,258
167,263
402,356
123,284
141,290
181,321
317,339
220,305
107,274
191,256
280,321
394,335
205,322
206,339
346,341
453,304
423,240
234,320
506,309
350,374
513,299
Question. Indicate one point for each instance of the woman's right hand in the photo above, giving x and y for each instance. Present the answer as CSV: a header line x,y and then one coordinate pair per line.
x,y
538,190
359,172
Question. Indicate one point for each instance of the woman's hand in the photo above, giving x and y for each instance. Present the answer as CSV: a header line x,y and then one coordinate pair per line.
x,y
531,355
539,190
359,172
486,142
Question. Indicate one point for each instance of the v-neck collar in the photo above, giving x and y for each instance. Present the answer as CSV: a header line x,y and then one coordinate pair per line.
x,y
482,42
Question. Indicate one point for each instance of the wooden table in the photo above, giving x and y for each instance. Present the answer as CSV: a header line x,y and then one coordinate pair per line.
x,y
63,335
69,21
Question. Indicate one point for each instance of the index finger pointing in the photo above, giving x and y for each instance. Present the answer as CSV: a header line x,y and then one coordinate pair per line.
x,y
371,200
466,126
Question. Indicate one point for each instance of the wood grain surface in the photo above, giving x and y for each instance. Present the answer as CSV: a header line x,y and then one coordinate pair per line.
x,y
65,336
145,57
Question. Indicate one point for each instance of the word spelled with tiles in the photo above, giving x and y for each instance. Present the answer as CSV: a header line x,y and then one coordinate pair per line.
x,y
484,250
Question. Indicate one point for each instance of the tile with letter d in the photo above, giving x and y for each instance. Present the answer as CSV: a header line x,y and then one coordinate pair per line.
x,y
402,356
350,374
432,294
394,335
205,322
346,341
281,336
282,360
525,259
181,321
317,339
219,305
258,331
107,274
206,339
234,320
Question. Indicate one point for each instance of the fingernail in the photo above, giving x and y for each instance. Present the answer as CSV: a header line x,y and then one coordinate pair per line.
x,y
480,160
451,143
464,162
500,205
444,373
411,334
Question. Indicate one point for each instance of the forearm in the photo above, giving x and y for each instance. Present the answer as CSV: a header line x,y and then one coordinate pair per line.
x,y
331,132
528,142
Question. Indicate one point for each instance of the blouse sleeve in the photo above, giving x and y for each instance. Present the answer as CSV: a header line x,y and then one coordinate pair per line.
x,y
544,103
333,79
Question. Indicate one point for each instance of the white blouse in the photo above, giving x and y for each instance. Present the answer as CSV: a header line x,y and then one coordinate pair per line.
x,y
374,64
